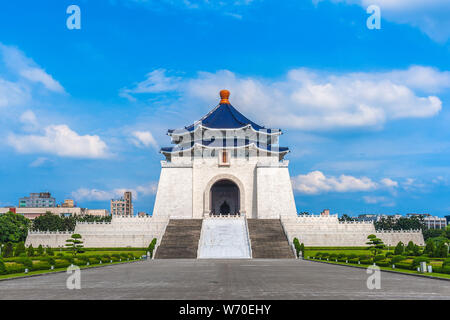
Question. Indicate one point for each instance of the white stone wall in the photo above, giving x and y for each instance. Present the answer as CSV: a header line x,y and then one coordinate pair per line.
x,y
325,231
120,232
174,195
275,196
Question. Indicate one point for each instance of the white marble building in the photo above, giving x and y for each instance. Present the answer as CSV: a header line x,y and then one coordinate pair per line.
x,y
225,163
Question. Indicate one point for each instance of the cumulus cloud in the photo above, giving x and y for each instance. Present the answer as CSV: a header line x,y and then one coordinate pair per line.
x,y
87,194
311,100
143,139
62,141
316,182
430,16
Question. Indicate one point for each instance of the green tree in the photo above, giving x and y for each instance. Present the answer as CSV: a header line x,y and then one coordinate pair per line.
x,y
376,245
429,248
416,250
48,222
40,250
74,243
410,247
30,251
20,249
8,250
13,227
49,251
151,247
431,233
442,250
446,232
399,249
346,217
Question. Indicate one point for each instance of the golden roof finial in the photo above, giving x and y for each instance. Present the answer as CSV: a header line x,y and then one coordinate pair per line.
x,y
224,95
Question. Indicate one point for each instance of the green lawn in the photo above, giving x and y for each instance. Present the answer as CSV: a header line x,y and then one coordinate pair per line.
x,y
431,275
22,274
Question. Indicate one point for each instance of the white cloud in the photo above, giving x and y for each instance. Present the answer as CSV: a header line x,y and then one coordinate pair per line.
x,y
144,139
104,195
27,70
430,16
316,182
389,183
12,94
40,76
21,77
310,100
95,194
38,162
385,202
155,82
62,141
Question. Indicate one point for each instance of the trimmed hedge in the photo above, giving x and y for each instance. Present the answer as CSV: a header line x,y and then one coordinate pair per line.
x,y
404,265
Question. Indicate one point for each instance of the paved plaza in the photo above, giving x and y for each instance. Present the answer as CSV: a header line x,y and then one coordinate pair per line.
x,y
225,279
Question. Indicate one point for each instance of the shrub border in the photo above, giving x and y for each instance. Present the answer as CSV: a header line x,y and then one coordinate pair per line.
x,y
390,271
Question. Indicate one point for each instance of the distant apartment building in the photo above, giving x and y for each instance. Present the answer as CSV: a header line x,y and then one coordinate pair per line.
x,y
32,213
448,219
68,203
122,206
38,200
431,222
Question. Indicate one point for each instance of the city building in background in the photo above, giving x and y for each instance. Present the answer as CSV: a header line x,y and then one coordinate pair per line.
x,y
32,213
37,200
122,206
433,222
68,203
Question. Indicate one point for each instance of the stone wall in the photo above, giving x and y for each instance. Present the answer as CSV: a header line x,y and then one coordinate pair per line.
x,y
120,232
326,231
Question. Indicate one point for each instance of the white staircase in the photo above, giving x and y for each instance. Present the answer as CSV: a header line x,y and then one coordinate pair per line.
x,y
224,238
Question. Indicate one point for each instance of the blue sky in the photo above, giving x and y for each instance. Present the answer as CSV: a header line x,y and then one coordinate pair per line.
x,y
365,112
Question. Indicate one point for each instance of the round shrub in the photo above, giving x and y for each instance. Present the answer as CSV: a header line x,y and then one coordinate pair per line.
x,y
25,261
397,259
418,260
446,263
379,257
124,256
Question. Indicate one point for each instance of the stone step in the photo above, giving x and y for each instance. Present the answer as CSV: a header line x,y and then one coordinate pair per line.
x,y
180,240
268,239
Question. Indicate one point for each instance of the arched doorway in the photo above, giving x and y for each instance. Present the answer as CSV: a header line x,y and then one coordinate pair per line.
x,y
225,198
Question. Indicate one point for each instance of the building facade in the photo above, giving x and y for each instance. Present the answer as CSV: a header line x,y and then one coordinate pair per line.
x,y
123,206
37,200
224,164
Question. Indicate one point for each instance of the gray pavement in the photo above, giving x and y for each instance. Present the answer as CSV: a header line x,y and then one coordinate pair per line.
x,y
225,279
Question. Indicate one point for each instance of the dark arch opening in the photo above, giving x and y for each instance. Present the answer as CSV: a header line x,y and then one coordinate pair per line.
x,y
225,198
